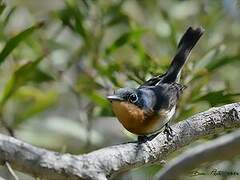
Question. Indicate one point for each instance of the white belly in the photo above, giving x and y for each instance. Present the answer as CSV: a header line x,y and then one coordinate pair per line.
x,y
165,117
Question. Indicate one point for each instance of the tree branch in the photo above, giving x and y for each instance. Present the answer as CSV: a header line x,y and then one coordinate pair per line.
x,y
223,148
109,161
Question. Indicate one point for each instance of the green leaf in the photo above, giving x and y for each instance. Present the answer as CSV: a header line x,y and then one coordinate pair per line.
x,y
210,63
79,22
98,98
72,17
117,19
145,58
8,16
218,97
25,73
2,6
38,76
217,63
123,39
64,16
207,59
114,14
34,102
16,40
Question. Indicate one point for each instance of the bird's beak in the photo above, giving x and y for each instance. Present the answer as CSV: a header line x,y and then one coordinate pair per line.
x,y
114,98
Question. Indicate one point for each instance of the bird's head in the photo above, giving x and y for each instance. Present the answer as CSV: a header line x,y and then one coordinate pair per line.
x,y
128,95
126,105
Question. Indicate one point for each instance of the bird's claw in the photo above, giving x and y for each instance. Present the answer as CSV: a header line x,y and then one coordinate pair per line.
x,y
142,139
168,131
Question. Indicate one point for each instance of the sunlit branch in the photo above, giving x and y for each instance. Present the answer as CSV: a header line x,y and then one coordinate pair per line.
x,y
109,161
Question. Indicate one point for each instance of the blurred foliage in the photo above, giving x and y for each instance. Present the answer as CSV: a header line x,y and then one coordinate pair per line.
x,y
59,59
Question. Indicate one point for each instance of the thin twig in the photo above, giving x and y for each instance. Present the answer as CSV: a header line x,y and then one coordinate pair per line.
x,y
11,171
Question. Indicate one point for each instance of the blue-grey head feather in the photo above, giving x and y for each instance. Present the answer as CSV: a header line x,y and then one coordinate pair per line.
x,y
143,98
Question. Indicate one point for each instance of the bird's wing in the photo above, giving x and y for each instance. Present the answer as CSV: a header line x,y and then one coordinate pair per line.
x,y
167,95
153,81
174,92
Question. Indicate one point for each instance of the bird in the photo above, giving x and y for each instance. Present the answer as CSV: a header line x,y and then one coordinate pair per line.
x,y
145,110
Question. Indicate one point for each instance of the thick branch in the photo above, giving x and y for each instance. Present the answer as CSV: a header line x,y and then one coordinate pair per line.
x,y
107,162
223,148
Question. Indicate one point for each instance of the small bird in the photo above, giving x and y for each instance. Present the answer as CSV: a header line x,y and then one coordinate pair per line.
x,y
147,109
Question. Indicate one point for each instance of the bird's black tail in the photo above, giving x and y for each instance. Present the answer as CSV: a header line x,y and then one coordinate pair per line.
x,y
187,42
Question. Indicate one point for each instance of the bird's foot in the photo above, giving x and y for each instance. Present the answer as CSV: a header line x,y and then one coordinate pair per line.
x,y
142,139
145,138
168,131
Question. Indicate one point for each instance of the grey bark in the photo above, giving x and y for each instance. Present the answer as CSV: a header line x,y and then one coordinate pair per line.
x,y
223,148
107,162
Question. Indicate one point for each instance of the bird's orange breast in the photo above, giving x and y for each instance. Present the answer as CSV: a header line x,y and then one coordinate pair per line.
x,y
134,119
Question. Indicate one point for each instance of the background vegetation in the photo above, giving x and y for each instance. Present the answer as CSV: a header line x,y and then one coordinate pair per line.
x,y
59,59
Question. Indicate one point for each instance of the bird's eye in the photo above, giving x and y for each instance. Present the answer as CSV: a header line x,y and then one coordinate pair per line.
x,y
133,98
